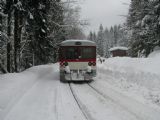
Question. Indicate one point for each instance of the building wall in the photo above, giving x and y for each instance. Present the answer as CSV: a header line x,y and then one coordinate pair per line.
x,y
120,53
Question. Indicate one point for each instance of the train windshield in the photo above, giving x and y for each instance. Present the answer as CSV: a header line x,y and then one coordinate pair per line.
x,y
87,52
72,53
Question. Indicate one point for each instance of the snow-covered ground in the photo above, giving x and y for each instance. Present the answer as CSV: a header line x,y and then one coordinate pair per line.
x,y
124,89
137,77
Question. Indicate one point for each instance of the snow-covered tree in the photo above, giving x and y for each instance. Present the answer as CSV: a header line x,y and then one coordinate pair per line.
x,y
92,36
73,23
111,37
108,38
3,38
101,41
142,22
33,30
107,41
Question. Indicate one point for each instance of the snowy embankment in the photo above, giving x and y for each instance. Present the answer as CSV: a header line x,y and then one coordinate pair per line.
x,y
122,90
14,86
137,77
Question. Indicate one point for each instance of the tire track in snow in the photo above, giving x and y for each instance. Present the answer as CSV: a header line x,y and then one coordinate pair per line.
x,y
19,98
106,97
136,108
66,106
96,107
37,104
15,101
78,102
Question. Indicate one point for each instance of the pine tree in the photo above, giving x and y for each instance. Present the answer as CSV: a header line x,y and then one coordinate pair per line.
x,y
6,9
43,29
156,22
90,37
100,42
34,30
108,38
111,37
94,36
123,40
143,23
3,38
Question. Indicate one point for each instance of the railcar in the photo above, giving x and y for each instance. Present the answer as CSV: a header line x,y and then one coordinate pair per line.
x,y
77,59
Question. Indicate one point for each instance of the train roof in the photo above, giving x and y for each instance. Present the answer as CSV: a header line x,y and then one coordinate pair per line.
x,y
73,42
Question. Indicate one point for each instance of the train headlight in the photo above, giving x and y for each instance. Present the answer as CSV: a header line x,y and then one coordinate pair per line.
x,y
89,64
66,63
67,69
89,69
94,63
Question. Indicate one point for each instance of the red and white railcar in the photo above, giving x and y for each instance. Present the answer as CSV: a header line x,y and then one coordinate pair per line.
x,y
77,60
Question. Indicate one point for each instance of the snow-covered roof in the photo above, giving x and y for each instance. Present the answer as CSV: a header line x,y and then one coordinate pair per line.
x,y
73,42
118,48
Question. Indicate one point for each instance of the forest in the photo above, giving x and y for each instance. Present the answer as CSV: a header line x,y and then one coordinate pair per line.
x,y
31,30
140,32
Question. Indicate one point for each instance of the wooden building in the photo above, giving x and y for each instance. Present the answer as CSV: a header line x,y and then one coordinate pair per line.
x,y
118,51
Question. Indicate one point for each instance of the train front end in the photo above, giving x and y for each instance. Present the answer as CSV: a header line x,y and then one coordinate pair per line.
x,y
77,60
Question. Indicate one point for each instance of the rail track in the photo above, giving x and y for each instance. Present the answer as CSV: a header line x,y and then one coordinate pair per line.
x,y
78,102
87,115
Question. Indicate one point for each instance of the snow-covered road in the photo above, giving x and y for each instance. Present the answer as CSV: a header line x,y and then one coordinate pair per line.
x,y
37,94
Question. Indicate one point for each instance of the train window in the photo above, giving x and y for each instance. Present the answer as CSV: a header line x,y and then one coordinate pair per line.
x,y
71,53
87,52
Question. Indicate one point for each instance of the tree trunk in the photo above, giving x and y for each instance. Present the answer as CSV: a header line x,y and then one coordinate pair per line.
x,y
20,22
2,68
9,43
16,26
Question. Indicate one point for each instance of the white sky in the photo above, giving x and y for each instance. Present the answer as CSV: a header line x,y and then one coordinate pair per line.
x,y
105,12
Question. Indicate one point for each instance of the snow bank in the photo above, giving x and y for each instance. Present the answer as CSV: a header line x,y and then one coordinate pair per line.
x,y
144,71
155,54
14,85
142,74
